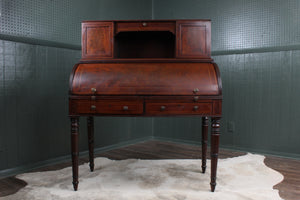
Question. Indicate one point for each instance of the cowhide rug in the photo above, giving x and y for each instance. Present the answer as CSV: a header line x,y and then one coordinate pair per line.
x,y
240,178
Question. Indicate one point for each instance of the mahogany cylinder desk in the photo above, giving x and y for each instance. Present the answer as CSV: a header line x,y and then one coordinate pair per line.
x,y
146,68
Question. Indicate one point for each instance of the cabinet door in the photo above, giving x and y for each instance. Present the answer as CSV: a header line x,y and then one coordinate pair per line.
x,y
97,40
193,39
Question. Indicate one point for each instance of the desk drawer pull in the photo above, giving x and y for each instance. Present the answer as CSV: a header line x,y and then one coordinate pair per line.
x,y
162,108
125,107
196,90
93,107
196,108
94,90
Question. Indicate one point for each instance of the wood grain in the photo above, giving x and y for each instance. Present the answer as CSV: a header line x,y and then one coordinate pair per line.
x,y
145,79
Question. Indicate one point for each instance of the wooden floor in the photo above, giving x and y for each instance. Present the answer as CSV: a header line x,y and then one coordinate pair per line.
x,y
289,188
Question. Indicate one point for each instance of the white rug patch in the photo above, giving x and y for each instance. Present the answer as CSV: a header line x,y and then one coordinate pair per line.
x,y
240,178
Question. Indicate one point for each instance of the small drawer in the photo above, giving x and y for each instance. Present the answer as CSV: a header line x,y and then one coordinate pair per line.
x,y
179,108
106,106
117,107
145,26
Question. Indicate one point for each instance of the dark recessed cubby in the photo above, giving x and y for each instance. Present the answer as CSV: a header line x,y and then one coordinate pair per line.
x,y
144,44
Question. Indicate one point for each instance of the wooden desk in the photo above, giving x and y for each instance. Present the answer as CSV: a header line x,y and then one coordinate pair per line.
x,y
146,68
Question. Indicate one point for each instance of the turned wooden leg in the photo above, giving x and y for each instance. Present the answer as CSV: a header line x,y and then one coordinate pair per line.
x,y
204,142
215,134
74,145
90,125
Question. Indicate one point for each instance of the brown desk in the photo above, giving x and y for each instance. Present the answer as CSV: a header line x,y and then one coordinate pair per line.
x,y
146,68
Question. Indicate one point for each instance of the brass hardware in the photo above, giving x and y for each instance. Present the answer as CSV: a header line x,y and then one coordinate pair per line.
x,y
125,107
196,90
93,107
196,98
144,24
162,108
196,108
93,98
93,90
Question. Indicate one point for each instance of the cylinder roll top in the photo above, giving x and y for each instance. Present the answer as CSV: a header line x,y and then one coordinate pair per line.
x,y
145,79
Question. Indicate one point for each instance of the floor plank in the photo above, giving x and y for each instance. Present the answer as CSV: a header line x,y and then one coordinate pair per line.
x,y
289,188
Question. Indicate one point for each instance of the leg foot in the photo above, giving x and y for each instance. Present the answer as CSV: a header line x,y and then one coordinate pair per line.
x,y
215,135
204,142
74,146
75,185
90,125
213,186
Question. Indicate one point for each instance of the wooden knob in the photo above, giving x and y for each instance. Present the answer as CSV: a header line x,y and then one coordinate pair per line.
x,y
196,90
125,107
93,90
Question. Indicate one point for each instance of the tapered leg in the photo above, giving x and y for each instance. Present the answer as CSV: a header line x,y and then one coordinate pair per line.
x,y
90,125
204,142
74,145
215,134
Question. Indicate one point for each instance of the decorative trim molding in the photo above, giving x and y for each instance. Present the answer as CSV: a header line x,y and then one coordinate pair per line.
x,y
33,41
256,50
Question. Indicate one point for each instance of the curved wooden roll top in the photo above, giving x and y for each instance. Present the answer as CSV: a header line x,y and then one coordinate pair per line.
x,y
145,79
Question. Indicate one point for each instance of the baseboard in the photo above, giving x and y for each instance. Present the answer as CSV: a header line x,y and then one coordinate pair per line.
x,y
233,148
29,167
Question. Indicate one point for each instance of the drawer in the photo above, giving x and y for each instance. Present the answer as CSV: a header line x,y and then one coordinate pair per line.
x,y
161,108
145,26
116,107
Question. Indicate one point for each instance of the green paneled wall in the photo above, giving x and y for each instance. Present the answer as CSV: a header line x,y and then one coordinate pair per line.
x,y
33,102
257,47
39,44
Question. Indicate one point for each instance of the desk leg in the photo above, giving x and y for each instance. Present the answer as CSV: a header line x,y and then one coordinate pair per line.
x,y
204,142
215,134
74,145
90,125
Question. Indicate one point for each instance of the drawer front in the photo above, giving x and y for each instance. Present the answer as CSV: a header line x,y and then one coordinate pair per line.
x,y
145,26
179,108
106,107
118,107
